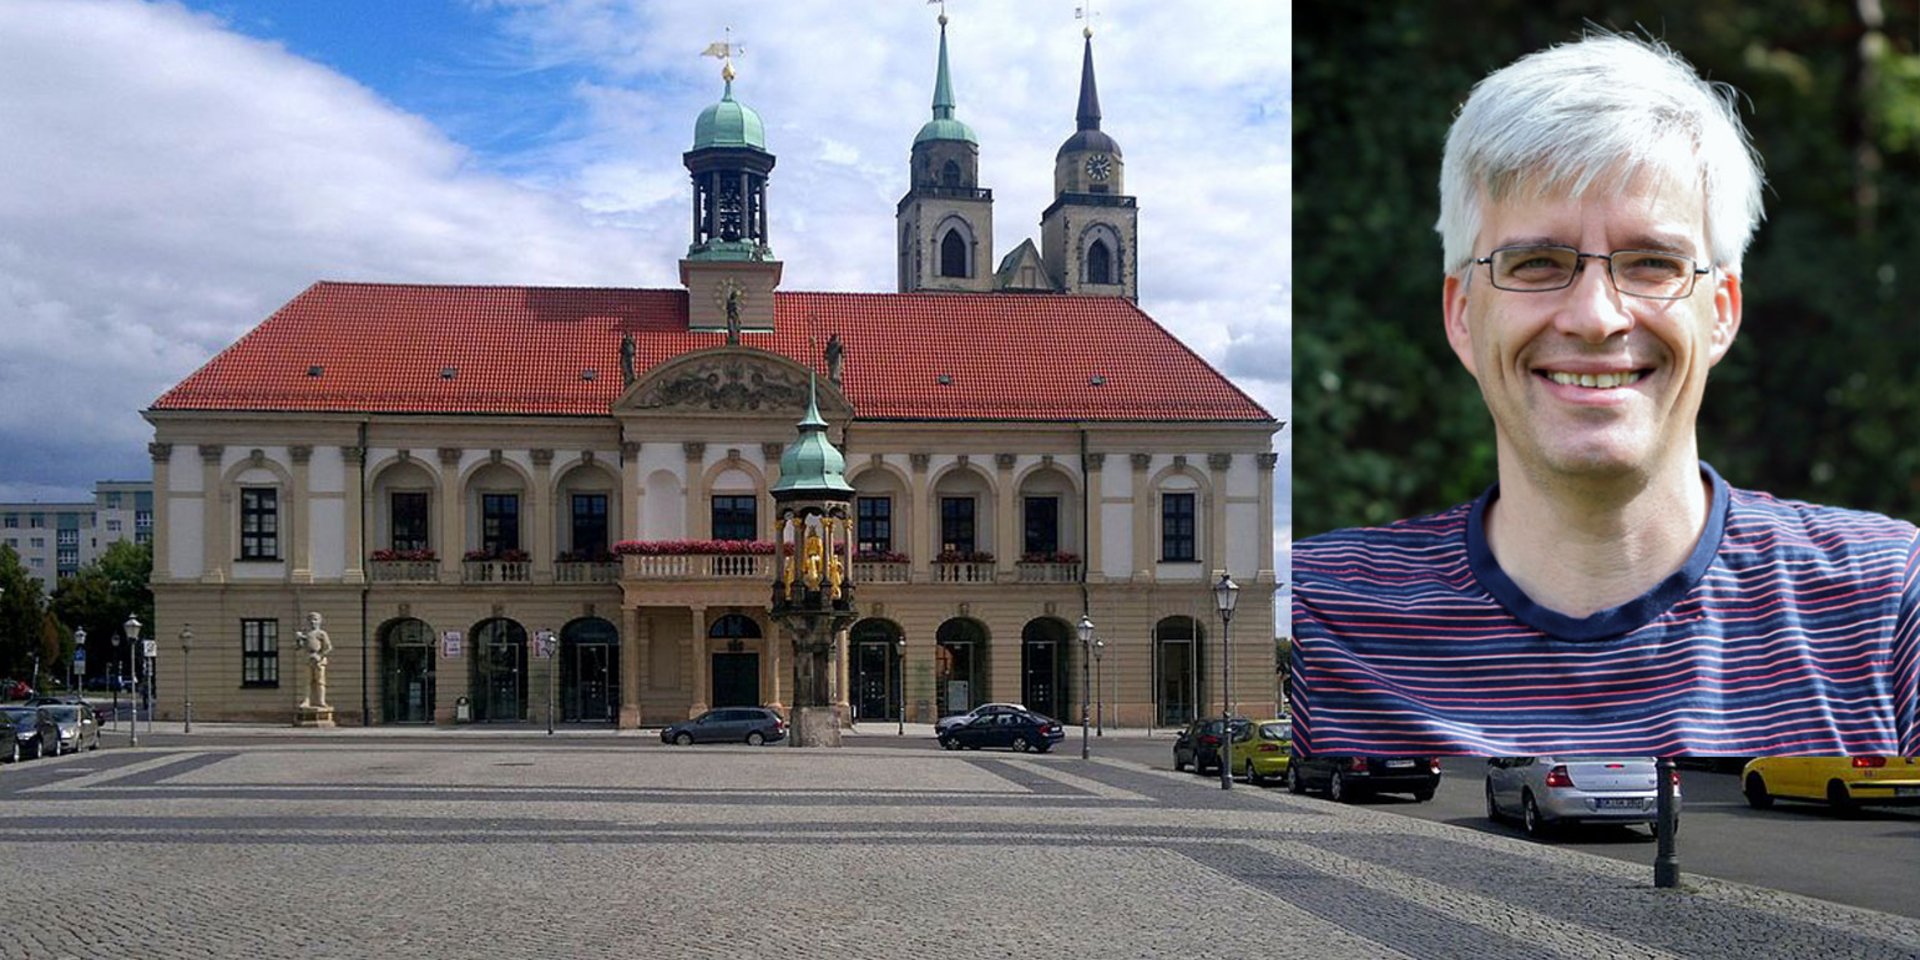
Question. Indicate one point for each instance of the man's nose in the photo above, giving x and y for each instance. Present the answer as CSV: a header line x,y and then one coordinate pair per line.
x,y
1593,309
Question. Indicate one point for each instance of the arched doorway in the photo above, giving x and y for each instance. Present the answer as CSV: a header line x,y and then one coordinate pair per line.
x,y
499,678
406,671
736,670
1044,681
877,682
589,671
960,663
1177,643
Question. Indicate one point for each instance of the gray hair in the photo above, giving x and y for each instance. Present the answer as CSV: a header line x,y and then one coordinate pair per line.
x,y
1555,122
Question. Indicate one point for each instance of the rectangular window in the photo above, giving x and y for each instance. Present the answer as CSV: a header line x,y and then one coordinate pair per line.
x,y
874,529
113,501
259,653
499,522
39,542
69,557
259,523
956,524
67,538
13,521
589,524
735,518
1043,525
1176,527
143,519
408,519
143,536
113,526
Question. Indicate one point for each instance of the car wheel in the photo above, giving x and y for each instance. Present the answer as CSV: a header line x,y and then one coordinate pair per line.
x,y
1019,743
1042,747
1294,783
16,751
1530,817
1252,777
1840,800
756,738
1756,791
1337,788
1423,794
1493,806
1178,764
684,739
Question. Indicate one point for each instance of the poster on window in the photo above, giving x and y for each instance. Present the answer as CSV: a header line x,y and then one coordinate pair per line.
x,y
450,643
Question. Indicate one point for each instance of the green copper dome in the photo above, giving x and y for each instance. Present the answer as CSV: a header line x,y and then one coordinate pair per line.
x,y
943,126
811,464
729,124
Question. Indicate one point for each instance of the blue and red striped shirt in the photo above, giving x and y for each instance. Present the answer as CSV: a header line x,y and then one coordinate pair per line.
x,y
1790,630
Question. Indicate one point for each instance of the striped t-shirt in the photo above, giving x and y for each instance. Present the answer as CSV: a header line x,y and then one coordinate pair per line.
x,y
1790,629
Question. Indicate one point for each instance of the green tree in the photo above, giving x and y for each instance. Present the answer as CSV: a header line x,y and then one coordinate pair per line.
x,y
21,616
101,594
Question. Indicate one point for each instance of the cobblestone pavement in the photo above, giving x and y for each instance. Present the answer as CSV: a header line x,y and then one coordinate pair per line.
x,y
320,846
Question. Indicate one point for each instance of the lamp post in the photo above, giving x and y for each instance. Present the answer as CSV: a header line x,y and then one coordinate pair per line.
x,y
132,629
1666,861
1086,692
186,670
113,679
900,665
80,655
1225,594
1099,689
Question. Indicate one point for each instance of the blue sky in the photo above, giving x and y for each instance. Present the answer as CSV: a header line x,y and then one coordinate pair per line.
x,y
179,170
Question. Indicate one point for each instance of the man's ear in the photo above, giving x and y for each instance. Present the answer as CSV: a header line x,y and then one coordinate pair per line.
x,y
1726,315
1453,306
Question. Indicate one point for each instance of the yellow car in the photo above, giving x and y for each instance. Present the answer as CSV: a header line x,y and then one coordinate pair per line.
x,y
1842,782
1260,750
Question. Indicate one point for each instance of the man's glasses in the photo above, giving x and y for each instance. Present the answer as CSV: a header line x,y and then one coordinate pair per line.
x,y
1636,273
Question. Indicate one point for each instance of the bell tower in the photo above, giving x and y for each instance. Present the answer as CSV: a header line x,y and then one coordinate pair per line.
x,y
944,224
1089,234
729,270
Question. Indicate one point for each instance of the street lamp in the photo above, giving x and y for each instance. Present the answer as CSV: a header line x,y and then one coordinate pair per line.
x,y
900,665
1099,702
186,670
132,629
80,655
1086,693
1225,594
1666,860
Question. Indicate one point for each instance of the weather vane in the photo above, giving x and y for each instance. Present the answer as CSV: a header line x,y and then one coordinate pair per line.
x,y
1086,13
725,51
943,10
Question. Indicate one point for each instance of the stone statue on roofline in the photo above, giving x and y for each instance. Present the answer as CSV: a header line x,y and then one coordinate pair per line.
x,y
627,351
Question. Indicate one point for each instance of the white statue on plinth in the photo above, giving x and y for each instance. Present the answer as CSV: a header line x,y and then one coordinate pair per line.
x,y
318,645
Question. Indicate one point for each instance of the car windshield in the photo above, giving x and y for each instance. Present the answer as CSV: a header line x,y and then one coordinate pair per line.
x,y
18,715
1276,731
64,714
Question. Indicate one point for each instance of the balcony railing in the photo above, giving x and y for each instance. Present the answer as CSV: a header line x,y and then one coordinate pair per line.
x,y
876,571
576,571
405,571
496,571
963,572
1048,572
698,566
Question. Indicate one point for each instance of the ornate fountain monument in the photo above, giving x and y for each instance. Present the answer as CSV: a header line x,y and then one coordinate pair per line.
x,y
813,573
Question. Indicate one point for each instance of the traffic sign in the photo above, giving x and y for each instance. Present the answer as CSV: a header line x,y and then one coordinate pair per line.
x,y
149,648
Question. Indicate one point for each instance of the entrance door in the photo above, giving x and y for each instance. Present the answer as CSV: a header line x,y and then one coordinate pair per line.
x,y
410,684
1175,671
594,668
1041,691
736,680
502,691
873,681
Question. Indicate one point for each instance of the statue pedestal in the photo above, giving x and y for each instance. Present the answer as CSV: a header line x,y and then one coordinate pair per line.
x,y
814,727
313,716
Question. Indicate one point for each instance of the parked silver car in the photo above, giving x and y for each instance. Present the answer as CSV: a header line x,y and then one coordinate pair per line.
x,y
76,728
1547,792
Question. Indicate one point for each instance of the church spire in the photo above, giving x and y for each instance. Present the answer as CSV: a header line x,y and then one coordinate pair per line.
x,y
942,87
1089,115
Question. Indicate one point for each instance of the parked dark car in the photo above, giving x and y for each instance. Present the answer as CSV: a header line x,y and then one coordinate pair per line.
x,y
753,725
29,734
1198,746
947,723
1019,731
1346,779
74,727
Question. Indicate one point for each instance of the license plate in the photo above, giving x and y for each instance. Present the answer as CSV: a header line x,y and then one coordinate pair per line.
x,y
1906,791
1619,803
1395,764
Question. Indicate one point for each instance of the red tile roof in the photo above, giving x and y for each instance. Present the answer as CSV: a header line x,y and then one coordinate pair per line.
x,y
382,348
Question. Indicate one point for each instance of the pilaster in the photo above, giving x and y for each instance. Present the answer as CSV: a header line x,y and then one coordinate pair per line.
x,y
354,459
214,517
1266,462
702,663
543,515
1092,485
162,454
699,522
300,550
925,521
1144,504
633,651
630,492
1218,464
453,528
1006,520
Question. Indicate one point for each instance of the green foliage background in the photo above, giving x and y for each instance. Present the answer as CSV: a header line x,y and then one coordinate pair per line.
x,y
1820,397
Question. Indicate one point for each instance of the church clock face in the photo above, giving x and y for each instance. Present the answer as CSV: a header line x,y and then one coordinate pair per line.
x,y
729,289
1099,167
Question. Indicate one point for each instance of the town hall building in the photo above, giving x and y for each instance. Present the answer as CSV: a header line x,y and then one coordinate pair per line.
x,y
497,493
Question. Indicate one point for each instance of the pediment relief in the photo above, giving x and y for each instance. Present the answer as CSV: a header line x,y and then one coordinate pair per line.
x,y
730,380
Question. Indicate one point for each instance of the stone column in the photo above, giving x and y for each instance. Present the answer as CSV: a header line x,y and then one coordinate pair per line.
x,y
453,527
702,663
162,454
1145,519
770,471
840,672
926,521
1092,485
699,518
633,650
543,516
630,494
356,559
1006,520
213,533
1217,466
777,644
300,542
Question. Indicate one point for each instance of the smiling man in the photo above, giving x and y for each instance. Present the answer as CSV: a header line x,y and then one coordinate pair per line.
x,y
1611,593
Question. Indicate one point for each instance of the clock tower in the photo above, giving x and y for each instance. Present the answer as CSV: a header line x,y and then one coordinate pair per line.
x,y
1089,233
729,270
944,224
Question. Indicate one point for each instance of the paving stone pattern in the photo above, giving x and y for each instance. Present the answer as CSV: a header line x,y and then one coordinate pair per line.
x,y
318,848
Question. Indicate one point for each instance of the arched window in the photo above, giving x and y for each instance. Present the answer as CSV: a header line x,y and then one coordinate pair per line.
x,y
733,626
950,174
953,255
1099,263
